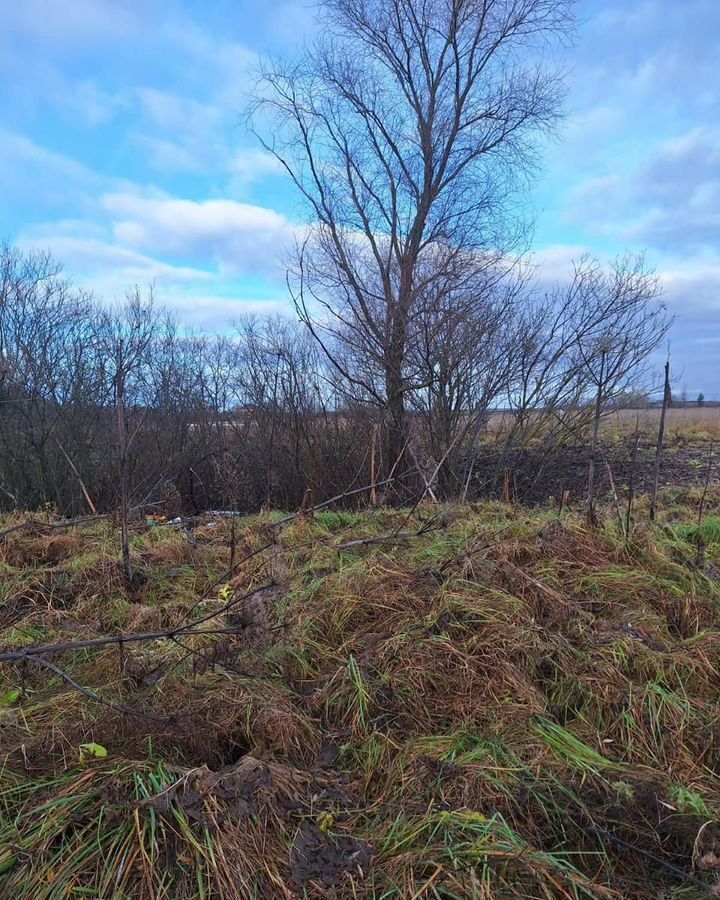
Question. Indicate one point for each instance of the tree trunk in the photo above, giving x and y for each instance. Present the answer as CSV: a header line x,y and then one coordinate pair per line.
x,y
396,433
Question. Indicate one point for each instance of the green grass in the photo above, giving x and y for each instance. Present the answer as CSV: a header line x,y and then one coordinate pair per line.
x,y
708,532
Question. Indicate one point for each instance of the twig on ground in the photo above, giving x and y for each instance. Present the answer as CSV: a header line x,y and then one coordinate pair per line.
x,y
616,499
126,710
169,633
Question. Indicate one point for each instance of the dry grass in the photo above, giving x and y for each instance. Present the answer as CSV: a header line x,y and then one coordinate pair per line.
x,y
508,706
681,422
685,427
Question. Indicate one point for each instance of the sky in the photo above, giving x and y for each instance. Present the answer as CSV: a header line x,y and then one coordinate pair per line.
x,y
122,151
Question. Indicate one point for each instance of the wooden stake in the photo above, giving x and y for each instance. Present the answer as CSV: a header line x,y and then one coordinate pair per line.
x,y
616,500
373,474
123,462
659,448
307,507
700,555
592,518
88,500
631,484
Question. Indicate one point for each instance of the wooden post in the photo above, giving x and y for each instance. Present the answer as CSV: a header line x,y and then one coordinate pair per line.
x,y
307,507
122,462
700,543
616,500
592,518
631,485
659,448
373,473
88,498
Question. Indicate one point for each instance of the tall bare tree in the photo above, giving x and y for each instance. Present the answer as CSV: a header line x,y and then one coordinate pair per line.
x,y
407,130
127,334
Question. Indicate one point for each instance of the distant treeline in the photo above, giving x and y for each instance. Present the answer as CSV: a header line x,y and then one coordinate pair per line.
x,y
94,397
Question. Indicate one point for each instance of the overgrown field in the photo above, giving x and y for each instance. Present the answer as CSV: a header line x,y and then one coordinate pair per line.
x,y
493,702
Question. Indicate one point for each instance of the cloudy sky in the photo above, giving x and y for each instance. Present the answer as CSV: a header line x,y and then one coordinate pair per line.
x,y
121,150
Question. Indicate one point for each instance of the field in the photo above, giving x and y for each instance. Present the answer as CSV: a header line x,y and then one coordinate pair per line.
x,y
486,701
681,421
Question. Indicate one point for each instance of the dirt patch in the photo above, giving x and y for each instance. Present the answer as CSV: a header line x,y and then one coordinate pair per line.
x,y
320,857
539,473
201,791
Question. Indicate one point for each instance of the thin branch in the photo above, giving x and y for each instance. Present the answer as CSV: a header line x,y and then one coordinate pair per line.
x,y
96,698
88,499
108,640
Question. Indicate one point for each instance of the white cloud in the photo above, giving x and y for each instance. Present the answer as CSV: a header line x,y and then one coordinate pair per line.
x,y
202,299
554,263
164,85
692,285
182,134
662,56
177,113
90,103
169,156
85,250
34,176
32,83
289,18
198,255
213,312
18,152
253,164
239,237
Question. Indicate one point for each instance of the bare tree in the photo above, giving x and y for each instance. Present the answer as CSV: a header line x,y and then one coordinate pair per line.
x,y
46,381
106,408
626,325
127,334
407,130
593,334
263,414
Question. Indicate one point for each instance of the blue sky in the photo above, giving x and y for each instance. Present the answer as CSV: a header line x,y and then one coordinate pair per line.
x,y
121,150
